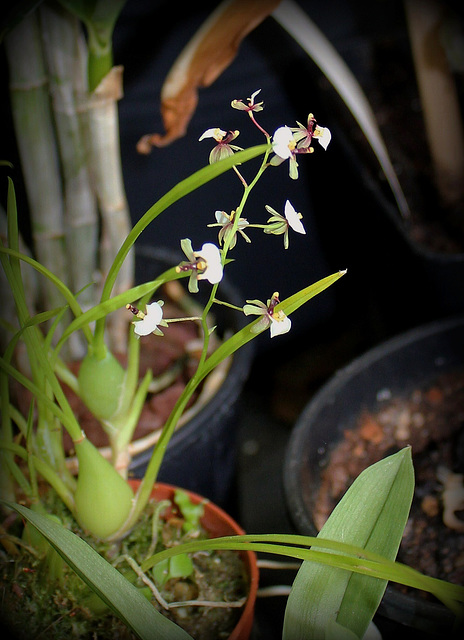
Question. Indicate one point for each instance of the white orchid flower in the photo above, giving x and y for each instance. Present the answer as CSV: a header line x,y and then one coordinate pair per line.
x,y
205,264
278,224
150,321
277,321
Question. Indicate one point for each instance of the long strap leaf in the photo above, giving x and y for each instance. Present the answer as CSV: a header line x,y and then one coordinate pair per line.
x,y
193,182
109,584
372,514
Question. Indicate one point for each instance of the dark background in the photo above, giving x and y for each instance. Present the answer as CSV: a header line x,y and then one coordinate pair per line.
x,y
381,294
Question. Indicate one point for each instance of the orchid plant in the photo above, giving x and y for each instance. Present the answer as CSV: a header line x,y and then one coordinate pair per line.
x,y
100,499
344,574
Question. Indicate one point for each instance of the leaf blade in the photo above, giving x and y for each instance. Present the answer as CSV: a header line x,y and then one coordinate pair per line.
x,y
110,585
372,515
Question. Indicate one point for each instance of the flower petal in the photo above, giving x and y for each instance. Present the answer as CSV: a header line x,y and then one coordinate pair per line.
x,y
186,246
221,217
212,256
254,308
261,325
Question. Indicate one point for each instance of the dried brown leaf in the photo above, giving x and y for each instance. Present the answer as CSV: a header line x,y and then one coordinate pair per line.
x,y
209,52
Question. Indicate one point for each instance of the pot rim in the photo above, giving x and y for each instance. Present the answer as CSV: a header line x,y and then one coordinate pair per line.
x,y
395,605
243,627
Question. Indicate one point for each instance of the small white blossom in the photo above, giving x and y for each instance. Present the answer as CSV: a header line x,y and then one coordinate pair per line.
x,y
284,147
278,224
223,149
150,321
205,264
226,222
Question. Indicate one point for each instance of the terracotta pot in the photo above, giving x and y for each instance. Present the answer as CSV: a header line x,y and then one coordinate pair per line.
x,y
218,523
396,367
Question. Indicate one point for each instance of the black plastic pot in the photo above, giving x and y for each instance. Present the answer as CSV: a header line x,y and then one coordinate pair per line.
x,y
439,274
201,455
399,365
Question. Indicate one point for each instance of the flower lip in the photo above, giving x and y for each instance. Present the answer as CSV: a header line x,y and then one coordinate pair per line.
x,y
283,143
280,323
323,136
212,270
293,218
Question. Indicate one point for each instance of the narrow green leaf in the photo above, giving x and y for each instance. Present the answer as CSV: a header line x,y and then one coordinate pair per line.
x,y
372,515
108,583
353,559
62,288
181,189
288,306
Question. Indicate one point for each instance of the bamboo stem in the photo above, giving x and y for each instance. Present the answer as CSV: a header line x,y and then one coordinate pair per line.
x,y
37,147
109,185
62,37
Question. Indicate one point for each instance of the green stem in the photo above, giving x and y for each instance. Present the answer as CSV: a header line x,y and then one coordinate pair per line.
x,y
193,182
64,48
238,212
171,423
45,470
227,304
99,64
